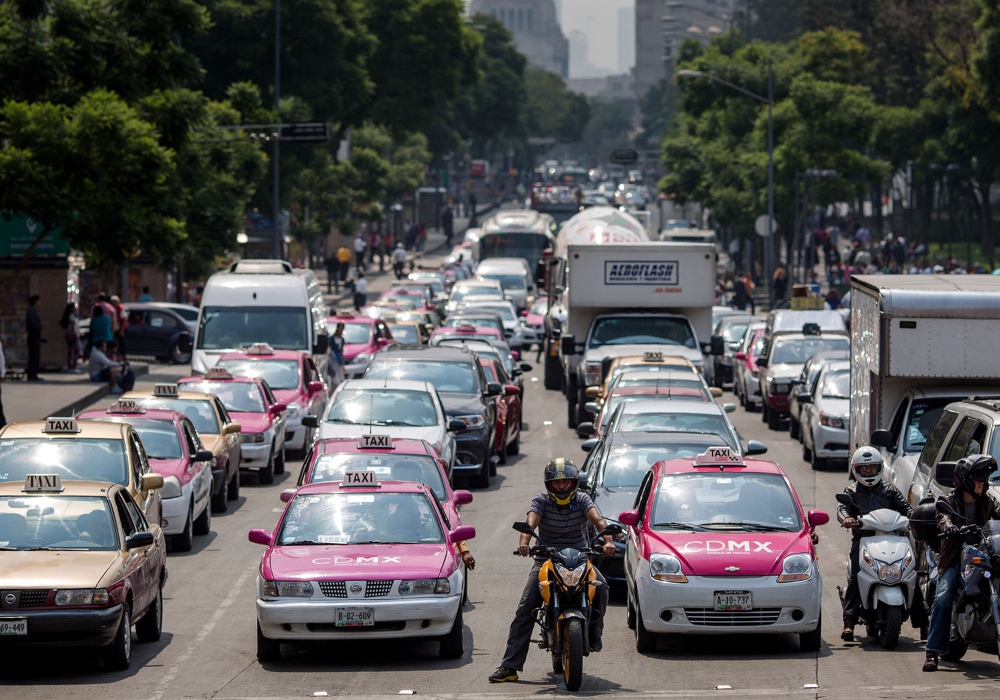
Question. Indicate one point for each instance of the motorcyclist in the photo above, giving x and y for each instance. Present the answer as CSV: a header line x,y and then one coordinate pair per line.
x,y
869,493
971,500
560,514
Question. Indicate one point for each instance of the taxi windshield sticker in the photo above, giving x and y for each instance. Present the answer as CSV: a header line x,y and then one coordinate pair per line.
x,y
333,539
361,499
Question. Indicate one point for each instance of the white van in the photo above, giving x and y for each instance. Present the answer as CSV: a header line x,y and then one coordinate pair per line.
x,y
260,301
515,277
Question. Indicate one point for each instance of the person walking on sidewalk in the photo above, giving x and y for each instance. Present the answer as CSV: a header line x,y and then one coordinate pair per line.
x,y
335,357
332,271
448,224
33,322
359,251
71,327
344,263
399,260
360,291
121,326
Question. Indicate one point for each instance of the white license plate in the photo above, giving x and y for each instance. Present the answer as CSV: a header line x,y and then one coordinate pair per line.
x,y
14,627
728,601
355,617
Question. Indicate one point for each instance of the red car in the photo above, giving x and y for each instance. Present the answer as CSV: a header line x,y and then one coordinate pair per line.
x,y
363,337
509,415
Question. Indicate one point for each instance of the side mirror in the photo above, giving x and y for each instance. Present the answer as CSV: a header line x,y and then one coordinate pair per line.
x,y
629,518
585,428
592,407
584,480
881,438
139,539
381,342
232,428
278,408
715,391
613,529
845,500
741,356
516,354
593,392
762,362
729,407
321,345
525,367
589,445
755,447
184,343
718,346
151,482
310,421
511,390
454,425
494,389
944,474
568,345
462,497
315,387
286,495
524,528
260,537
943,506
804,397
203,456
926,500
817,518
461,534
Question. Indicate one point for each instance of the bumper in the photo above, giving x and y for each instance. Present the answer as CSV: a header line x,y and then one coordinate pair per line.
x,y
295,434
255,455
175,511
687,608
830,443
753,391
65,627
778,403
472,447
316,618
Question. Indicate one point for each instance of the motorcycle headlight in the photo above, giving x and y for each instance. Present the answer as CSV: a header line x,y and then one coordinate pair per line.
x,y
472,422
171,487
82,596
424,586
831,421
592,373
571,577
796,567
252,437
286,589
666,567
294,410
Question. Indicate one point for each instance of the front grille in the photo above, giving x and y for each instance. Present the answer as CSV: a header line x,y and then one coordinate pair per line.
x,y
378,589
831,446
333,589
33,599
709,617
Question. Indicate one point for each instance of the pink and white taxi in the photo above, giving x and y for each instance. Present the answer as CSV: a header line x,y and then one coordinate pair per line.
x,y
293,377
174,450
720,545
361,559
363,337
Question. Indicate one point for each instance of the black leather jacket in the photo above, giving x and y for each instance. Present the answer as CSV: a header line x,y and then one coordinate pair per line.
x,y
881,495
987,509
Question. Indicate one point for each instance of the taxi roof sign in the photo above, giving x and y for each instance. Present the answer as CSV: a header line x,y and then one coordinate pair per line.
x,y
382,442
260,349
129,406
218,373
166,390
42,483
360,478
652,357
723,456
61,425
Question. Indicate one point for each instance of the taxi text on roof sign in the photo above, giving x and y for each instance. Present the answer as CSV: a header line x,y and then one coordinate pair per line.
x,y
126,406
376,442
718,457
218,373
652,357
61,425
359,478
35,483
165,390
260,349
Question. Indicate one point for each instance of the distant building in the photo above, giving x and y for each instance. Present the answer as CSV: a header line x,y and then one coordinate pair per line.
x,y
649,44
611,87
693,19
535,27
626,39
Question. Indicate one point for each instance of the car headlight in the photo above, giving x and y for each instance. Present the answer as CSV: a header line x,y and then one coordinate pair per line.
x,y
171,487
796,567
425,586
252,437
361,358
82,596
592,373
666,567
293,410
286,589
472,422
831,421
571,577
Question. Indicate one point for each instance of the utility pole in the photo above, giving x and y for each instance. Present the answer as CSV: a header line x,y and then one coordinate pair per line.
x,y
276,147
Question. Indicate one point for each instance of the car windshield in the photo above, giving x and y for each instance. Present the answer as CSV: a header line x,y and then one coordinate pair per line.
x,y
396,407
506,281
475,321
725,501
279,374
77,459
457,377
923,415
505,312
361,517
677,421
733,331
354,333
234,327
639,330
541,306
511,244
623,369
460,293
796,351
188,314
422,469
199,411
159,437
626,465
239,397
836,385
406,334
57,522
633,380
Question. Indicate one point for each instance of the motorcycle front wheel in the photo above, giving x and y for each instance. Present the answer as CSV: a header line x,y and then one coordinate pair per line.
x,y
573,654
956,650
889,632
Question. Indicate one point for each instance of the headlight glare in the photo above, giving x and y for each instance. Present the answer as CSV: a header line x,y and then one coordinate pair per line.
x,y
796,567
571,577
666,567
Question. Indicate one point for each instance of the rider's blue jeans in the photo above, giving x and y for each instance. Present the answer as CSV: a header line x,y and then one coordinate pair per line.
x,y
939,632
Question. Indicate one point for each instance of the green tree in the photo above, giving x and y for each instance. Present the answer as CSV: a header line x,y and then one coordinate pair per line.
x,y
553,110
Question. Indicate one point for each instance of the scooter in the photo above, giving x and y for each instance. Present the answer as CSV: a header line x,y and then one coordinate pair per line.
x,y
887,574
568,583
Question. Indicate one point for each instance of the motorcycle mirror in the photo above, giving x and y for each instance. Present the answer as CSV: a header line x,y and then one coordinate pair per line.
x,y
926,500
524,528
845,500
945,507
613,529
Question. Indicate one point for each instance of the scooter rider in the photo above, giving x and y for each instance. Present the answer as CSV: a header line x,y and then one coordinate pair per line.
x,y
972,500
869,493
560,514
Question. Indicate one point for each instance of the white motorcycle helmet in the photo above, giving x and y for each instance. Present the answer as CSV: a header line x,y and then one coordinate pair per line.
x,y
866,465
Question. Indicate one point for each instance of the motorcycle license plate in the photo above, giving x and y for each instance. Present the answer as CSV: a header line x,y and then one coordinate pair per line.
x,y
729,601
14,627
355,617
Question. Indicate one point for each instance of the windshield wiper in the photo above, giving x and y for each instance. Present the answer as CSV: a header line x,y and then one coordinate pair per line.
x,y
341,420
681,526
753,527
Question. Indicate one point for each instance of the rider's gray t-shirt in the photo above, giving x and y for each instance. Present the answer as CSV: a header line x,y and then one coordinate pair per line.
x,y
562,526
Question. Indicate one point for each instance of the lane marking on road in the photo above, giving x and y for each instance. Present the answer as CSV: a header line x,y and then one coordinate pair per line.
x,y
161,687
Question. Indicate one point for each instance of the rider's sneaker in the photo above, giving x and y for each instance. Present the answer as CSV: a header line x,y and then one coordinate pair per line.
x,y
931,661
596,646
503,674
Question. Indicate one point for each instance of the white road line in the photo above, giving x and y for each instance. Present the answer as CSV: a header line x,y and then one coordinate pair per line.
x,y
165,682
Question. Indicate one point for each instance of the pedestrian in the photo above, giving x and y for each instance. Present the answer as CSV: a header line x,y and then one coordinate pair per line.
x,y
360,291
70,324
740,296
749,285
780,285
332,271
335,357
120,324
196,298
448,224
421,236
103,369
359,251
399,261
382,248
472,209
33,322
145,297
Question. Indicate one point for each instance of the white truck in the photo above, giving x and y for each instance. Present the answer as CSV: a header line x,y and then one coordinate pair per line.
x,y
918,343
632,298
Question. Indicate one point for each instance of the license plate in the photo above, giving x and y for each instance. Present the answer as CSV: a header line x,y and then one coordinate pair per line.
x,y
355,617
728,601
14,627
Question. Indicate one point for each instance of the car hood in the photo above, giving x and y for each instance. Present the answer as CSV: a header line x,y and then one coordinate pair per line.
x,y
598,354
611,502
711,553
215,443
60,569
456,404
835,407
289,396
252,422
354,349
783,371
172,467
433,434
534,319
355,562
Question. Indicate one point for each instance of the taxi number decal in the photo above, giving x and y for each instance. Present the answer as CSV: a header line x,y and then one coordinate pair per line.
x,y
333,539
730,547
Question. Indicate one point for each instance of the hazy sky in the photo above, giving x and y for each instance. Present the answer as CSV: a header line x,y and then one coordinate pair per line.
x,y
599,20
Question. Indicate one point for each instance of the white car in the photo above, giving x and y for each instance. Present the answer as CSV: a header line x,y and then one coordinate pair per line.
x,y
825,415
398,408
669,415
465,291
746,382
508,317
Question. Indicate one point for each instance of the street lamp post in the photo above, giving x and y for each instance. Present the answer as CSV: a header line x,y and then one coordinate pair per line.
x,y
276,146
769,101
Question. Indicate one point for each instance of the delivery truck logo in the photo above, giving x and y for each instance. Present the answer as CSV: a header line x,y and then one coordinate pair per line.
x,y
641,272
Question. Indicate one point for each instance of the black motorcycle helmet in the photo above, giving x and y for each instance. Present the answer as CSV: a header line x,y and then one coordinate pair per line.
x,y
561,468
973,467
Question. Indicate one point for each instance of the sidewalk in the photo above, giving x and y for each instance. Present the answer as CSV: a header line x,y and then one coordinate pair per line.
x,y
58,394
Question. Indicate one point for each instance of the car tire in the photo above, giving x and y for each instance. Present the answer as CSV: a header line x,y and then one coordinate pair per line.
x,y
481,479
203,523
176,356
515,445
279,462
150,627
118,654
807,454
184,540
629,612
571,416
452,645
502,447
793,429
812,641
267,649
582,414
233,487
553,371
814,461
266,475
220,502
773,420
645,641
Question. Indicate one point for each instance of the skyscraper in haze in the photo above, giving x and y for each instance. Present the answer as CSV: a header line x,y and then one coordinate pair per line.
x,y
626,39
649,44
535,27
